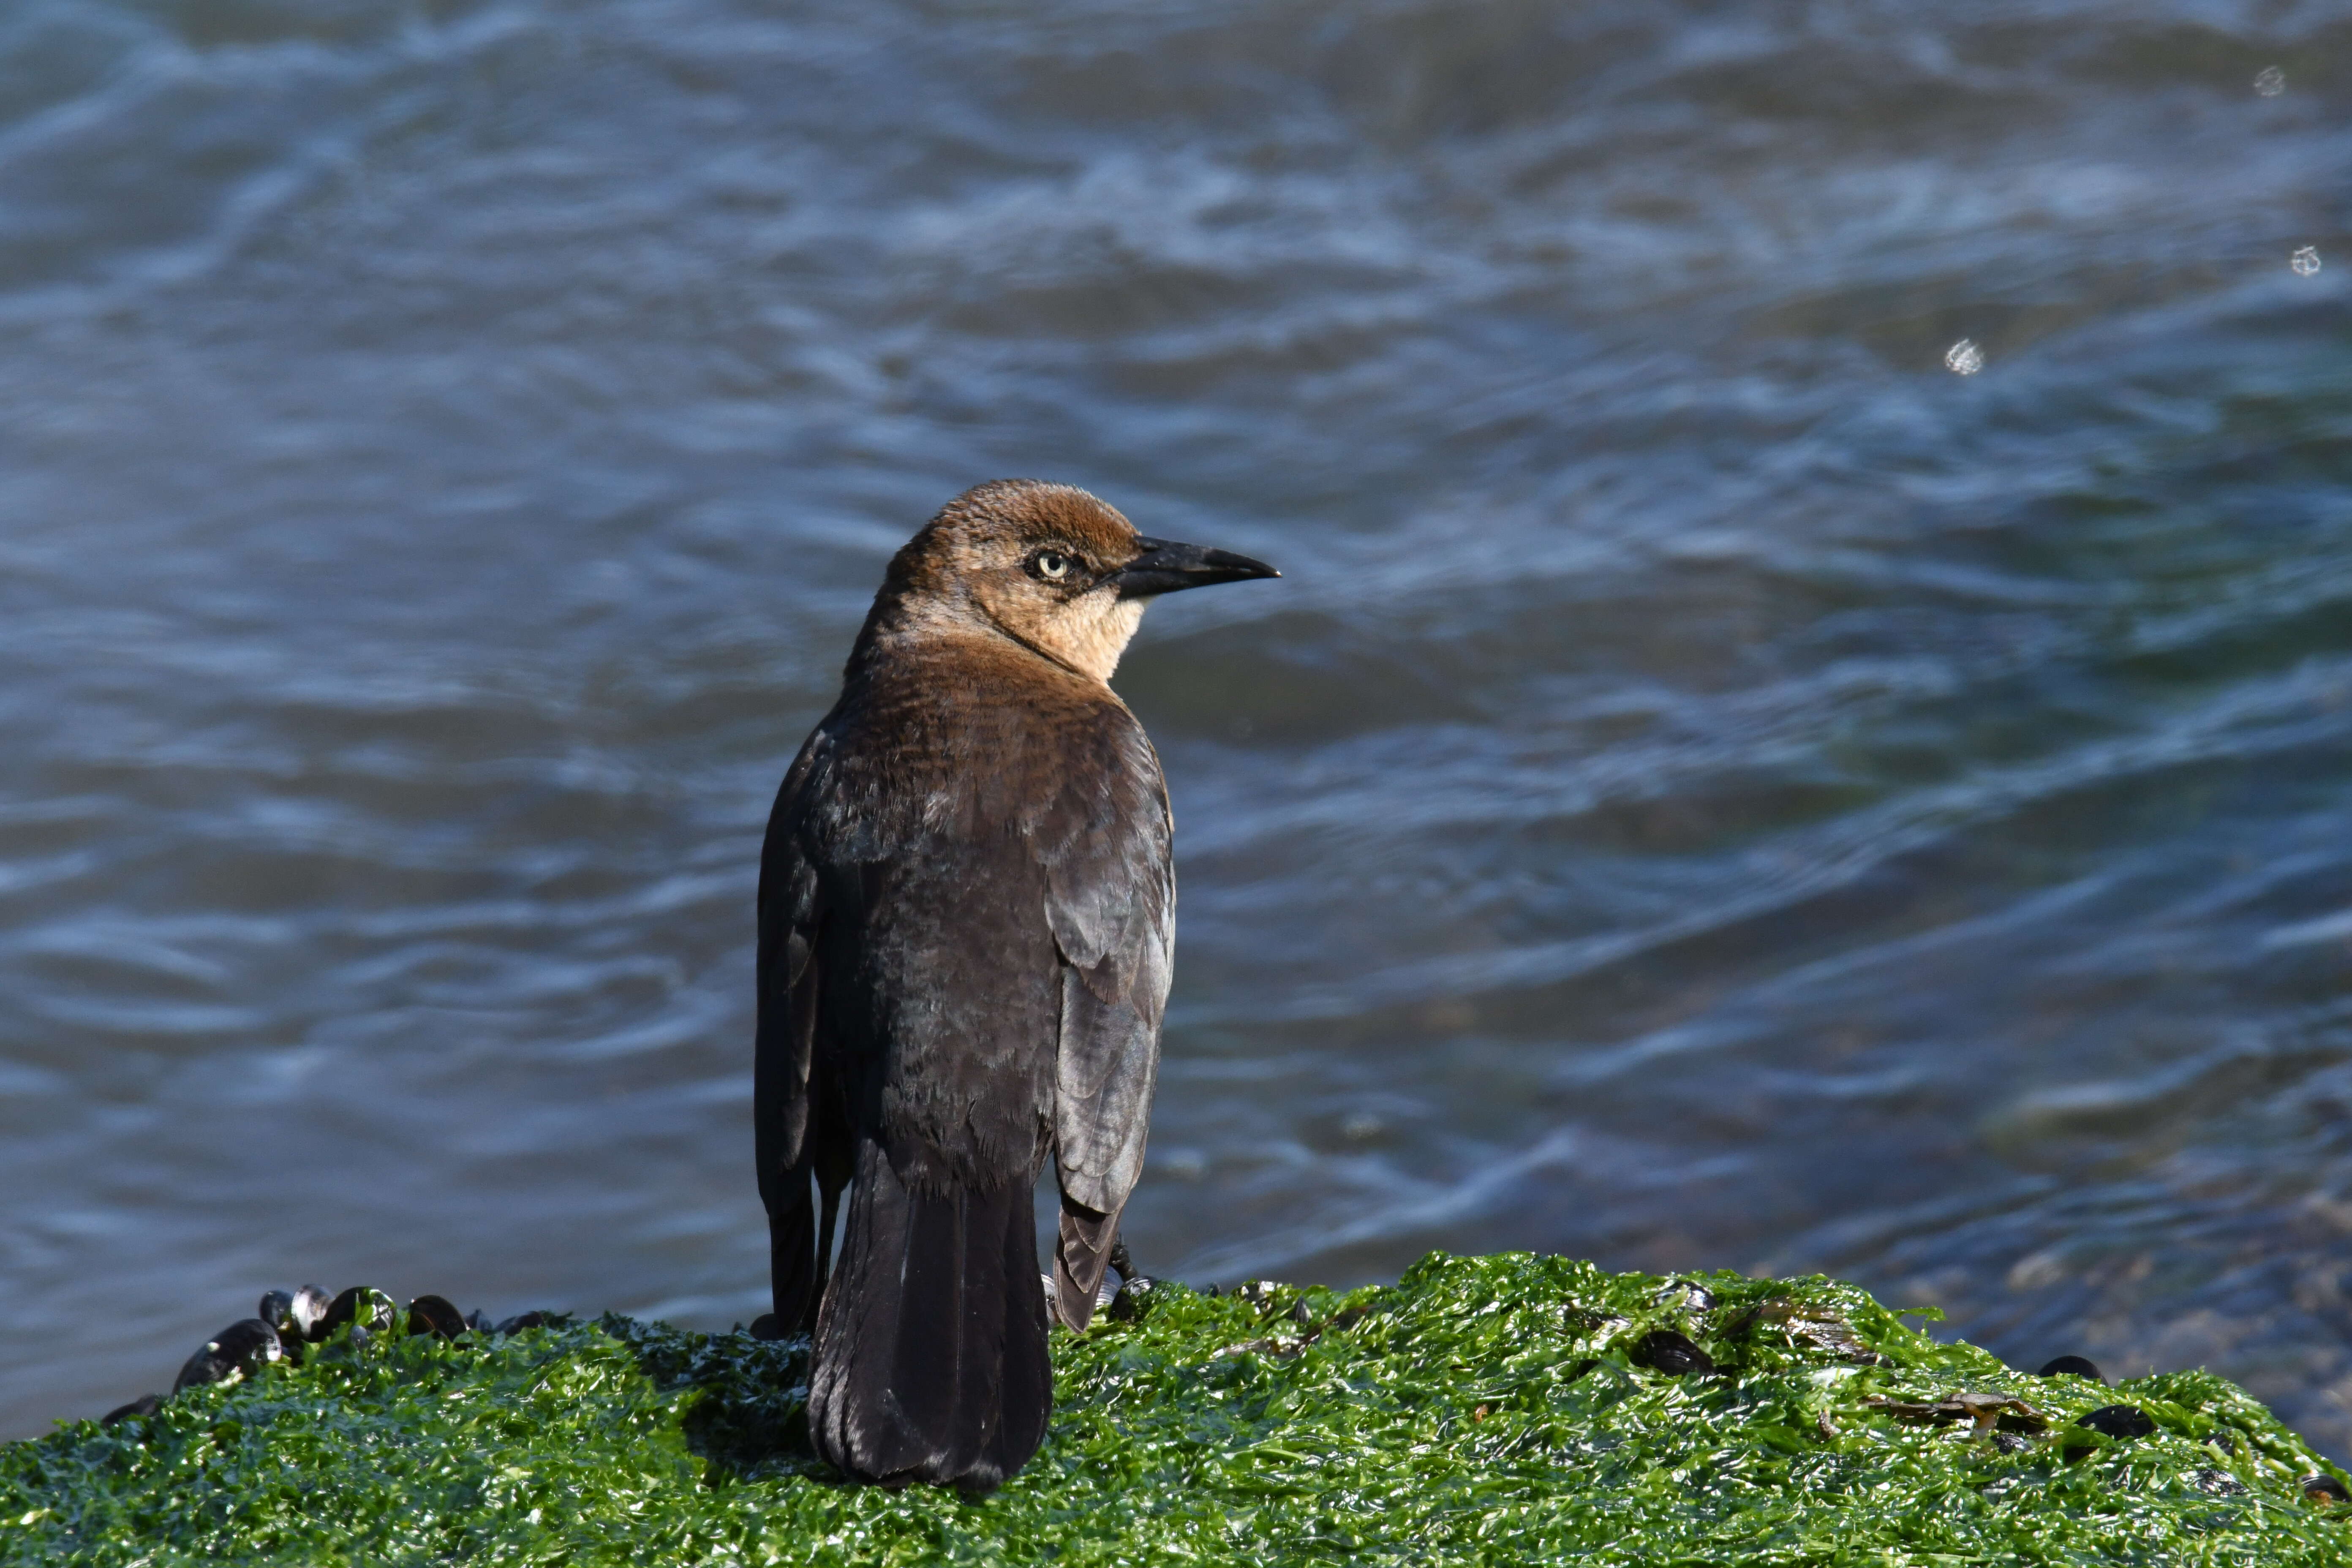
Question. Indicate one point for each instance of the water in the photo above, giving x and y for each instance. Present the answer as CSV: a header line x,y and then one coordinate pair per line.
x,y
1712,788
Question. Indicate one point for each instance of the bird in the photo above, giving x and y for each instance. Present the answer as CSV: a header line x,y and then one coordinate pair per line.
x,y
966,934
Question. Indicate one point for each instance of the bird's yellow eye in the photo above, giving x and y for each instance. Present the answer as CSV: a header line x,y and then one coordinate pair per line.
x,y
1050,564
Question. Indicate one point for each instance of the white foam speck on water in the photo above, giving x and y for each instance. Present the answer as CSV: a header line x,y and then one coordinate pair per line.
x,y
2305,261
1964,358
2271,82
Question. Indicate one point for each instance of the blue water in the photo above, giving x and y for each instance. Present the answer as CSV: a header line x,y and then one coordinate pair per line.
x,y
1714,787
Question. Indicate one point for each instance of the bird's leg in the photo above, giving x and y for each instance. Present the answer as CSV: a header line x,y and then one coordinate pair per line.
x,y
1120,1260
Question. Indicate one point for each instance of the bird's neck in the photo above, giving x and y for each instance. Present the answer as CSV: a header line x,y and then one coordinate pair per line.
x,y
1087,641
1087,638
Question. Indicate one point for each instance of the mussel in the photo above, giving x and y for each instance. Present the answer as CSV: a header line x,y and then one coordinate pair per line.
x,y
2119,1421
522,1320
297,1315
1262,1294
246,1345
276,1309
1134,1295
361,1307
1687,1294
435,1315
2073,1366
1663,1350
2324,1489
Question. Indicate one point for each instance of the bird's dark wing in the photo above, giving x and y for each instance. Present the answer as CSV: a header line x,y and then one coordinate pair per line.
x,y
1105,842
787,976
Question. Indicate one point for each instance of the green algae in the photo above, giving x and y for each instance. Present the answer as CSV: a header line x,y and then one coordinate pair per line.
x,y
1482,1410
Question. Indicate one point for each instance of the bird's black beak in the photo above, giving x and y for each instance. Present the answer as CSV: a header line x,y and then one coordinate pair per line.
x,y
1165,566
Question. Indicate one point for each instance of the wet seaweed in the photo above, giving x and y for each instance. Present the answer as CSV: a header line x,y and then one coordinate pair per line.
x,y
1482,1410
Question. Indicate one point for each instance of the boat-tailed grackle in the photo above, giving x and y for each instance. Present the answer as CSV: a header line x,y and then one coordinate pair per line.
x,y
967,919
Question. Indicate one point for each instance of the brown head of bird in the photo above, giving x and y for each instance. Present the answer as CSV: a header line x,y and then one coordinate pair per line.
x,y
1048,565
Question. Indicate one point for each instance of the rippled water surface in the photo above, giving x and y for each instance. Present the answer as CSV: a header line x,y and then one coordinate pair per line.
x,y
1714,786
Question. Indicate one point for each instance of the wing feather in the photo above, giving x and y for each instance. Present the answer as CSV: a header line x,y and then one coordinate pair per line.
x,y
790,918
1111,902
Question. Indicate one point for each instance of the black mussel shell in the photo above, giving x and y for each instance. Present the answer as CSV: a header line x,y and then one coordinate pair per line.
x,y
297,1315
766,1326
435,1315
1688,1293
2074,1366
2222,1441
2119,1421
2010,1442
522,1320
478,1321
244,1346
310,1307
1134,1295
278,1309
361,1307
2217,1483
145,1404
1663,1350
2324,1489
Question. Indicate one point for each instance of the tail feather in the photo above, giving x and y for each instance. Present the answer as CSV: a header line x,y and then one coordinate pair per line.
x,y
1026,1380
931,1362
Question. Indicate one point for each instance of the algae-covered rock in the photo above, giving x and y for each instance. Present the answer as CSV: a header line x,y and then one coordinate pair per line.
x,y
1508,1409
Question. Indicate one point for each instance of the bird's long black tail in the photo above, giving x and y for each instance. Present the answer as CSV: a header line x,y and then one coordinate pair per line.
x,y
931,1363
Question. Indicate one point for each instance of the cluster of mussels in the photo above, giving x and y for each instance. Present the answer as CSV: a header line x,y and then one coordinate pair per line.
x,y
2004,1419
289,1320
